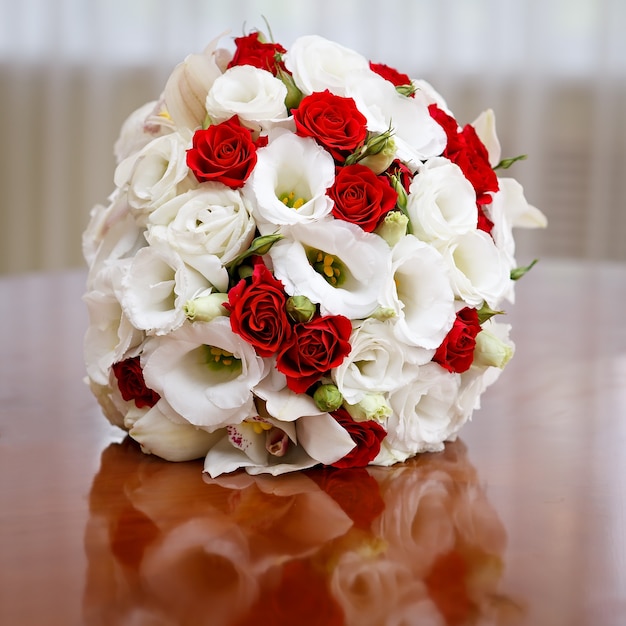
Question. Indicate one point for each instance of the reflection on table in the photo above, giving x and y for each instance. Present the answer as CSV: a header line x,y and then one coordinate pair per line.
x,y
414,544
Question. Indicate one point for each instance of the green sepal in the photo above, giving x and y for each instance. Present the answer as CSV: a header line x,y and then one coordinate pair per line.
x,y
518,272
506,163
486,312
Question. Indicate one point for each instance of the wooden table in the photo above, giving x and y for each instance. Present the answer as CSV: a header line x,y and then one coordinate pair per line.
x,y
521,521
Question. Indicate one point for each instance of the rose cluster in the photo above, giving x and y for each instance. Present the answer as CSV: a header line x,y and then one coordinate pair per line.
x,y
301,264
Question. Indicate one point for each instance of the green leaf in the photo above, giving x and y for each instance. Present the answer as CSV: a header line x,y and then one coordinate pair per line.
x,y
506,163
518,272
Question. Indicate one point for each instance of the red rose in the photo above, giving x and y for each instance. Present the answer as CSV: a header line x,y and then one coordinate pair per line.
x,y
132,385
251,51
257,311
456,352
224,153
361,197
316,347
367,435
466,150
398,79
334,122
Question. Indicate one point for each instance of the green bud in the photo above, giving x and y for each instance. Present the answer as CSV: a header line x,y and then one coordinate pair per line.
x,y
373,406
259,246
403,198
383,313
205,308
300,308
379,161
294,95
393,227
491,350
327,397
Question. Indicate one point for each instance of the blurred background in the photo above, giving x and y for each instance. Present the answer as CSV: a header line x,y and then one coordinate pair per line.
x,y
554,71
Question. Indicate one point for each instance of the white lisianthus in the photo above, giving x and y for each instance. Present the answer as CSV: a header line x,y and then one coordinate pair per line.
x,y
477,270
441,201
422,412
318,64
172,441
289,183
255,95
377,363
417,136
420,294
210,220
203,372
311,256
152,175
156,286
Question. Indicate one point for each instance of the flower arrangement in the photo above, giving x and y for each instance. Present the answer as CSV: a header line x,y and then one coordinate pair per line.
x,y
302,263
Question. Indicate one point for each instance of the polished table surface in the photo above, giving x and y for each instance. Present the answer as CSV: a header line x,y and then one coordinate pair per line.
x,y
520,521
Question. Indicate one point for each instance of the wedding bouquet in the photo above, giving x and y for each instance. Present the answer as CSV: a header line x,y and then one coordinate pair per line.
x,y
302,263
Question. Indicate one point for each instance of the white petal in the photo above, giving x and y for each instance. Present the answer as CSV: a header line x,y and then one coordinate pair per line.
x,y
323,438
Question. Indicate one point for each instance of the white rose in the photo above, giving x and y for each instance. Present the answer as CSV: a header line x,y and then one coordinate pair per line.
x,y
210,220
441,201
289,183
318,64
420,294
203,372
376,362
335,264
255,95
151,176
422,411
478,271
155,288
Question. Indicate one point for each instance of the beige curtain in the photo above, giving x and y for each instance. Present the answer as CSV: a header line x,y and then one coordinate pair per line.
x,y
553,70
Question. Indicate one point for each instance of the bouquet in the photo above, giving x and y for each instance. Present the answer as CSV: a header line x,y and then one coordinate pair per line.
x,y
302,263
